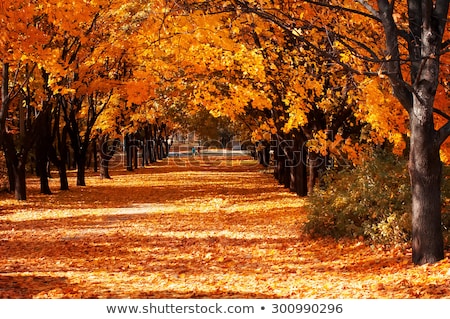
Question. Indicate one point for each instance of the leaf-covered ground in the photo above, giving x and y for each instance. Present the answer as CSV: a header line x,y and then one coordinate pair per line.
x,y
191,229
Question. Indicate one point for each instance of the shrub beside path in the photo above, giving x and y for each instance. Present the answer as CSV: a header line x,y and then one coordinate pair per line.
x,y
191,228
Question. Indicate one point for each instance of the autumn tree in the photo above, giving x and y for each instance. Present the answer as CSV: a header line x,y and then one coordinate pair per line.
x,y
407,52
254,74
426,21
23,45
295,69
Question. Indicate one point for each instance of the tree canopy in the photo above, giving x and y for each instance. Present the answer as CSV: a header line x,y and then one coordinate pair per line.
x,y
334,78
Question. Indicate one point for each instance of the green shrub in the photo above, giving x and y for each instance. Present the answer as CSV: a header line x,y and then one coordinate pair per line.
x,y
372,201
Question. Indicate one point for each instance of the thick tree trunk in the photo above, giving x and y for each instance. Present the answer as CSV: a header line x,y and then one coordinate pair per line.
x,y
425,171
427,20
11,179
63,181
301,179
20,190
17,174
41,166
16,162
42,150
81,169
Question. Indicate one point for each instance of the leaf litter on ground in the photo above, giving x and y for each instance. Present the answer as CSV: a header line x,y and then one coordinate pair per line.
x,y
209,228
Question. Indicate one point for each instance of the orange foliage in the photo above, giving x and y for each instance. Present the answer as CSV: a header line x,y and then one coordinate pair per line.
x,y
192,228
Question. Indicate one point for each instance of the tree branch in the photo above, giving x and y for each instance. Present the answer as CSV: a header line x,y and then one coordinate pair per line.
x,y
441,113
369,8
445,44
444,133
373,13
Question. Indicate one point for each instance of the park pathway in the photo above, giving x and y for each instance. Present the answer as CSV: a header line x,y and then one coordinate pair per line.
x,y
190,228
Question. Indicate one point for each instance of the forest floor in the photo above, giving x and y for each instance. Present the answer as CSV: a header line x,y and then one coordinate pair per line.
x,y
191,228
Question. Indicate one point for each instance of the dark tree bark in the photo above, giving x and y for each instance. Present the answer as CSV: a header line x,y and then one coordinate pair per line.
x,y
427,24
42,150
425,170
159,148
128,140
299,179
10,172
16,147
16,162
41,167
81,137
20,185
135,150
60,161
107,151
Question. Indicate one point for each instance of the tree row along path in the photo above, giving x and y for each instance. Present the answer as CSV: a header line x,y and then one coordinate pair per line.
x,y
191,228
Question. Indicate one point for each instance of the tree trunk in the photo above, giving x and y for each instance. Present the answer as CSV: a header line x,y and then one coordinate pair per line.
x,y
128,153
167,148
94,151
62,168
144,153
301,177
427,20
107,152
16,170
315,161
20,189
135,155
281,167
300,174
11,178
61,161
63,181
425,172
104,169
152,150
41,167
42,150
159,149
16,162
81,169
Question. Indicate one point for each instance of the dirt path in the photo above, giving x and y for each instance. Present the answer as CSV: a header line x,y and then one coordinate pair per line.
x,y
191,229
